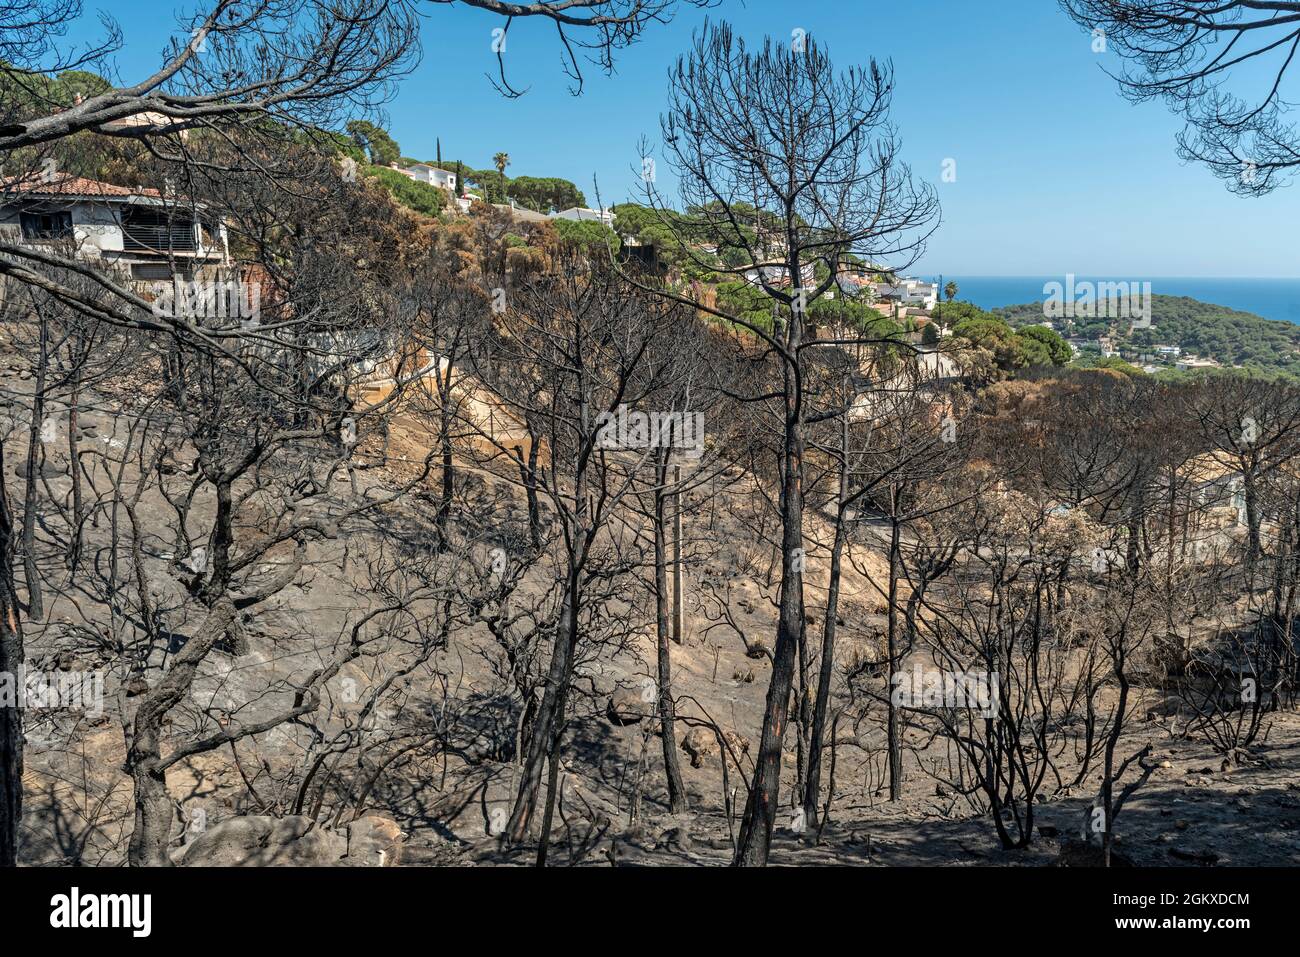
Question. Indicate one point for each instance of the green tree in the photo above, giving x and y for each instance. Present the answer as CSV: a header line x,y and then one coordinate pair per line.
x,y
1057,350
383,149
501,161
421,197
594,237
545,193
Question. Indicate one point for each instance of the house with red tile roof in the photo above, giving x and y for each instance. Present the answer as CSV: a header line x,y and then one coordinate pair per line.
x,y
138,230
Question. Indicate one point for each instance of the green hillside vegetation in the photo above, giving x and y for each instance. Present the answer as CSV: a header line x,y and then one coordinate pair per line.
x,y
592,236
1232,337
420,197
1012,349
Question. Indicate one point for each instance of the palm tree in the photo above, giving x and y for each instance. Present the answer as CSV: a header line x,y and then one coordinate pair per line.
x,y
501,161
950,291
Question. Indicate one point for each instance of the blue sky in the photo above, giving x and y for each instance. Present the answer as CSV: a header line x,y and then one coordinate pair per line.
x,y
1056,172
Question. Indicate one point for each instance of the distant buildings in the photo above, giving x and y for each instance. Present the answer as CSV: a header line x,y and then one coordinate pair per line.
x,y
522,214
778,274
583,215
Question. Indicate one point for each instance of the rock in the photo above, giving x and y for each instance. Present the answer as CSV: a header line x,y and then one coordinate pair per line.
x,y
626,707
1082,854
738,743
136,685
677,839
1047,830
699,743
260,841
375,840
1166,764
1205,857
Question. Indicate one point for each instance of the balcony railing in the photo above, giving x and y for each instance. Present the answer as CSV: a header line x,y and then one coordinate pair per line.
x,y
159,237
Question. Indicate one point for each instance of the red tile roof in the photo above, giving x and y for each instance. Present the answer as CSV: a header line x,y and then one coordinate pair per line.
x,y
35,184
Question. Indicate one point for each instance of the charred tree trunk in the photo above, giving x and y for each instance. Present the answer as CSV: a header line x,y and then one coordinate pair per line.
x,y
11,659
544,741
761,806
35,454
1253,544
667,714
78,504
154,816
812,787
895,740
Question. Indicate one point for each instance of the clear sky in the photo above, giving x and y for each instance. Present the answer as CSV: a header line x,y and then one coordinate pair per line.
x,y
1056,172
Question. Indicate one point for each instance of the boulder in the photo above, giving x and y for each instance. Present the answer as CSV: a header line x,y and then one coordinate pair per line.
x,y
738,743
701,743
375,840
261,841
626,707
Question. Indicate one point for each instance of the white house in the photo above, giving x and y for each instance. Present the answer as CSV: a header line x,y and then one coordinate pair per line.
x,y
433,175
909,292
136,230
582,214
778,274
1193,364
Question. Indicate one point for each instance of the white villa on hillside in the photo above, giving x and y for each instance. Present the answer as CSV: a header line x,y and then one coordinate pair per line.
x,y
909,292
432,175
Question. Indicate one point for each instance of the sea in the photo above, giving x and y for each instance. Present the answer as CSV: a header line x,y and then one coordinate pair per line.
x,y
1270,298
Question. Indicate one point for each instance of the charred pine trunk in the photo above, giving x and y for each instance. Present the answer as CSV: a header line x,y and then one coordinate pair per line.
x,y
35,455
895,740
78,504
154,816
11,659
761,806
544,739
667,714
812,787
